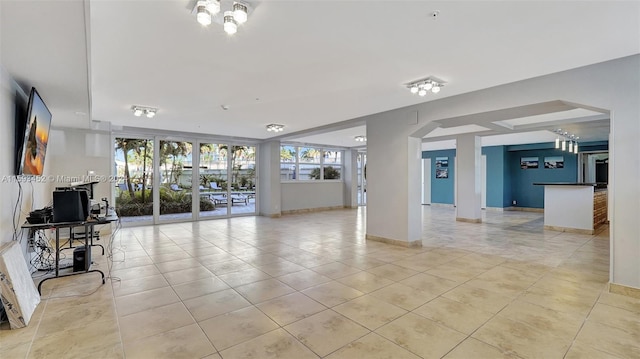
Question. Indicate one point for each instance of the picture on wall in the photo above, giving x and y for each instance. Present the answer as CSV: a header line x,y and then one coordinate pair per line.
x,y
554,162
528,162
442,167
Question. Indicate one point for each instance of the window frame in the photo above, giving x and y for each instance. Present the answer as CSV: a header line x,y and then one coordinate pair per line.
x,y
298,162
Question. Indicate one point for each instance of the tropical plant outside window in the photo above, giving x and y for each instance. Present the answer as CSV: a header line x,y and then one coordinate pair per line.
x,y
309,163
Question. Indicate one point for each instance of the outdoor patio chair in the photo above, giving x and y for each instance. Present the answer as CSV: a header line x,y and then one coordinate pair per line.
x,y
175,187
214,186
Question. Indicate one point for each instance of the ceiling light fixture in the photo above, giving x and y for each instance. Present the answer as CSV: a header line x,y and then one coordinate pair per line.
x,y
240,12
274,127
138,111
203,16
235,13
360,138
421,87
566,137
230,24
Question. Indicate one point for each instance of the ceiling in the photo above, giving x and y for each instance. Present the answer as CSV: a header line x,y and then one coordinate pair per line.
x,y
314,66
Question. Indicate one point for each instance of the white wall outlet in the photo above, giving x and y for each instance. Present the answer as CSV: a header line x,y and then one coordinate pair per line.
x,y
514,202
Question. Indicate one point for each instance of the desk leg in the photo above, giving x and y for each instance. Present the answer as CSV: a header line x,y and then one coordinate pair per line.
x,y
57,251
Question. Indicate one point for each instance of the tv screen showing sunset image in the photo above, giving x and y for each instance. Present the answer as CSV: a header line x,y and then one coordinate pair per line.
x,y
36,136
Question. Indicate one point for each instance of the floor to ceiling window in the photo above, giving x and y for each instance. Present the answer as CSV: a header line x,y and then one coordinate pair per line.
x,y
176,181
194,179
135,172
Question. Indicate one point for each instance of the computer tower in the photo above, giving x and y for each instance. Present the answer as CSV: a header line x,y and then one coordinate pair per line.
x,y
81,258
70,205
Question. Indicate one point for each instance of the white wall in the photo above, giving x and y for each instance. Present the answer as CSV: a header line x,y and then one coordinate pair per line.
x,y
306,195
74,152
34,194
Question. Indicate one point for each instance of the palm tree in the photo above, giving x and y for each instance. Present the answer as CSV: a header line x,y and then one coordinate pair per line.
x,y
125,145
175,150
310,154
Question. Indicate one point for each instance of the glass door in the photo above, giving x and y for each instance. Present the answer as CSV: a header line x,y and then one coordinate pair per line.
x,y
214,179
134,187
176,180
362,178
242,191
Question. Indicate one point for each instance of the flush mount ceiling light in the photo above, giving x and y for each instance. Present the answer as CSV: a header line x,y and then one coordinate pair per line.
x,y
229,14
423,86
360,138
274,127
564,137
138,111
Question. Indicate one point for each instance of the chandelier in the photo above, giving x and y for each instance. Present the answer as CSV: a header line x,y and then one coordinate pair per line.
x,y
566,137
274,127
229,14
143,110
421,87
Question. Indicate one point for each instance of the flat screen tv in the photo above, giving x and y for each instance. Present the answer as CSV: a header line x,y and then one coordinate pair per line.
x,y
34,138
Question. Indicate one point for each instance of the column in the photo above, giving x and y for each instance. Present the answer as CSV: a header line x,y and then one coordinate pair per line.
x,y
468,154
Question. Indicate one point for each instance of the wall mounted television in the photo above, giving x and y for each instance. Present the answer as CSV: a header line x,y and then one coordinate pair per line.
x,y
34,132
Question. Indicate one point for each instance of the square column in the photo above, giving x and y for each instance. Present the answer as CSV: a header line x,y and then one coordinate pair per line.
x,y
469,202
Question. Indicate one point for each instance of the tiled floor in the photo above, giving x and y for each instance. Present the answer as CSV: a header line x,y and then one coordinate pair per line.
x,y
309,286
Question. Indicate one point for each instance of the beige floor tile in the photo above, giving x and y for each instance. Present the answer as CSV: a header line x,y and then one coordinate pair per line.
x,y
372,346
326,331
154,321
303,279
242,277
610,339
139,302
67,317
276,344
185,342
214,304
516,337
233,265
504,280
290,308
264,290
455,315
393,272
403,296
560,324
179,264
369,311
365,281
580,350
236,327
200,287
332,293
421,336
131,262
138,285
616,317
362,262
98,337
169,256
620,301
187,275
472,348
335,270
429,283
559,302
280,268
135,272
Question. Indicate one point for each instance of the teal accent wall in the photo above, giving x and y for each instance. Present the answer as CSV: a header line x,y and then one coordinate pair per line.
x,y
498,178
506,181
523,191
441,188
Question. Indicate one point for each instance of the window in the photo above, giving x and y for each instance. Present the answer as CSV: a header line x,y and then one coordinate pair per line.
x,y
306,163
